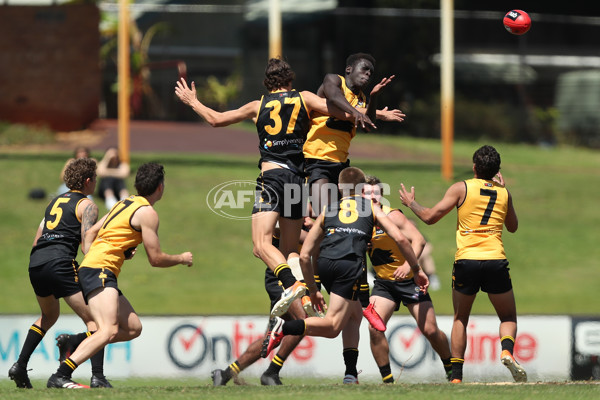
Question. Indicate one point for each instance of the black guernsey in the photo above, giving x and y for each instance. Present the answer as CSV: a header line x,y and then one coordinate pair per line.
x,y
61,234
282,124
348,227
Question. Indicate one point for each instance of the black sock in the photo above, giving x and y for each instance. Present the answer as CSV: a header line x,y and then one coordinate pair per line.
x,y
508,343
97,361
284,274
34,337
386,374
75,340
447,367
275,366
231,370
457,368
295,327
66,368
350,359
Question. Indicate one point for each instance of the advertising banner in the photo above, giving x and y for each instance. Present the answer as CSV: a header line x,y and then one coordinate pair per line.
x,y
192,346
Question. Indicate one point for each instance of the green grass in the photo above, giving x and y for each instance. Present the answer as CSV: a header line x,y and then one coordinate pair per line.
x,y
553,256
131,389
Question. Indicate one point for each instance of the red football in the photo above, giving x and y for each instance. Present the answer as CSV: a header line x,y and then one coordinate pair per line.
x,y
517,22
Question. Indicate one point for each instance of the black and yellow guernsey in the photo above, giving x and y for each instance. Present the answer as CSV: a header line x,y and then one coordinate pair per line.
x,y
282,124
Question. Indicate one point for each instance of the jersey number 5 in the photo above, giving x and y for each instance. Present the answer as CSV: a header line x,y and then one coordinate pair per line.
x,y
274,115
57,211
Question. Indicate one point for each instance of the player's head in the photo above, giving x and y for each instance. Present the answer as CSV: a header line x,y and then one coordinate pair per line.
x,y
78,171
486,162
359,69
372,189
350,178
148,178
278,74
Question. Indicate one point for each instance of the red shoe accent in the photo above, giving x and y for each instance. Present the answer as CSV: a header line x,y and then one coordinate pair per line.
x,y
374,318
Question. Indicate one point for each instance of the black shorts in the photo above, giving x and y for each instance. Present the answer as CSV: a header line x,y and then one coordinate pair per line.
x,y
281,190
343,276
94,278
273,287
55,277
322,169
405,292
491,276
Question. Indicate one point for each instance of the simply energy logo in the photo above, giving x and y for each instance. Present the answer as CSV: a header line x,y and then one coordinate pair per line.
x,y
235,199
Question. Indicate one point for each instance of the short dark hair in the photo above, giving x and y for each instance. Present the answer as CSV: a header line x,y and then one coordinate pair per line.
x,y
487,162
278,74
352,175
372,180
354,58
149,176
78,171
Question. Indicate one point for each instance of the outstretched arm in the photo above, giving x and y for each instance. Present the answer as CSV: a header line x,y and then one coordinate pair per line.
x,y
327,107
215,118
390,115
372,107
147,218
453,197
331,89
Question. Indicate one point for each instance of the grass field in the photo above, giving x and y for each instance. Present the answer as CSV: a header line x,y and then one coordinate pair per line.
x,y
554,255
133,389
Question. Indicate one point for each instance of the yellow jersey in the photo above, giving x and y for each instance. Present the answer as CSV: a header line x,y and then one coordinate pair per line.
x,y
384,253
115,237
329,138
480,221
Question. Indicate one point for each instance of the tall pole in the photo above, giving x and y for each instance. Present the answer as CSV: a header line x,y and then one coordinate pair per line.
x,y
274,28
447,79
123,80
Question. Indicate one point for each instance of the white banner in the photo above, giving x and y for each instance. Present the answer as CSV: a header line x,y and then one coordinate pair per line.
x,y
193,346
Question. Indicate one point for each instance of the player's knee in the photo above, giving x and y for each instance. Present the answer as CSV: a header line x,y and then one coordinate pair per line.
x,y
429,331
136,332
108,333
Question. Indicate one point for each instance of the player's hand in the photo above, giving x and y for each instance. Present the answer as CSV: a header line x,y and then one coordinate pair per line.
x,y
130,252
187,259
384,82
406,197
185,94
422,281
499,179
390,115
402,272
363,121
318,301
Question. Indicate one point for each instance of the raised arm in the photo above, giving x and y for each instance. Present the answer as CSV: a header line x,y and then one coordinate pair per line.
x,y
453,197
331,89
215,118
511,222
327,107
147,218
